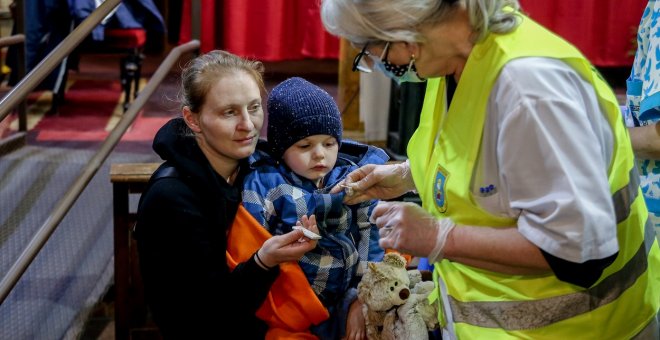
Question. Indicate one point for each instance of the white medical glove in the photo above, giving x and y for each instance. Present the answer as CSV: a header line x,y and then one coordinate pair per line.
x,y
408,228
385,181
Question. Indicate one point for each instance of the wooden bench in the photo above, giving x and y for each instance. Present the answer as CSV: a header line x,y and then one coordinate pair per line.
x,y
130,308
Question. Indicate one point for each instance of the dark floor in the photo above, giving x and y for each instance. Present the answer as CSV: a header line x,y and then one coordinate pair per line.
x,y
100,324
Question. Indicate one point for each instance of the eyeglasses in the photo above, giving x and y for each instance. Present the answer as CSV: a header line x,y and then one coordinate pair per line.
x,y
362,65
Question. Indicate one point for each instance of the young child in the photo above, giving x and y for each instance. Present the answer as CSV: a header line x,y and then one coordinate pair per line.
x,y
307,157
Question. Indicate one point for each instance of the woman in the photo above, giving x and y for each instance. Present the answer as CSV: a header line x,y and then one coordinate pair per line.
x,y
531,208
192,204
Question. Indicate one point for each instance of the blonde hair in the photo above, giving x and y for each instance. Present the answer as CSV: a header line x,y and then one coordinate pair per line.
x,y
201,73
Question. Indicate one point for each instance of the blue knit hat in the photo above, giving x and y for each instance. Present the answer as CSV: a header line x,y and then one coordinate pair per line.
x,y
298,109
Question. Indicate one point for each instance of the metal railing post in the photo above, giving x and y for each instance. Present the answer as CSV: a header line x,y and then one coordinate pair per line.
x,y
21,62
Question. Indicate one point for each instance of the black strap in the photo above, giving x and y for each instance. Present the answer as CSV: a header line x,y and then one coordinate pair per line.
x,y
163,171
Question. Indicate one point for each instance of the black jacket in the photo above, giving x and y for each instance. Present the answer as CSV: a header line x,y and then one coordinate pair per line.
x,y
181,237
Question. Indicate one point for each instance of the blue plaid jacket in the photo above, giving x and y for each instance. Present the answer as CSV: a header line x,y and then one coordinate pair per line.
x,y
278,198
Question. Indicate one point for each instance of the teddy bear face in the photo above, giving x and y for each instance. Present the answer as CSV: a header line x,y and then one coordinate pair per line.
x,y
386,294
395,301
385,284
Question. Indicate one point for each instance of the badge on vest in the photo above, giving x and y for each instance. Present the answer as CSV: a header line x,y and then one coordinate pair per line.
x,y
441,176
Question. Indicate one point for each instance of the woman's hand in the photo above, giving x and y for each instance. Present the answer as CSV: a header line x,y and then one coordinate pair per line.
x,y
371,181
355,324
290,246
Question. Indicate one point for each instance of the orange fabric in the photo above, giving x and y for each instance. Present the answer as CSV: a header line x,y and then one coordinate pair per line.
x,y
291,306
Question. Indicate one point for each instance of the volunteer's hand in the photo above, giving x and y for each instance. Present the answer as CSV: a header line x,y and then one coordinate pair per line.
x,y
290,246
371,181
408,228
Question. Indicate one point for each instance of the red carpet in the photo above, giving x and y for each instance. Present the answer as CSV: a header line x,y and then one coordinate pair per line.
x,y
87,107
90,110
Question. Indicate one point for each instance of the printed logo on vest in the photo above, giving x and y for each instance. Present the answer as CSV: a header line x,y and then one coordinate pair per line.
x,y
441,176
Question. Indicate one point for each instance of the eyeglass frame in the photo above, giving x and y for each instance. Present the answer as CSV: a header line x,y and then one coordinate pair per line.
x,y
364,52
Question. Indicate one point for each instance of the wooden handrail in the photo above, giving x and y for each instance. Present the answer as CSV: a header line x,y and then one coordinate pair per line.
x,y
37,242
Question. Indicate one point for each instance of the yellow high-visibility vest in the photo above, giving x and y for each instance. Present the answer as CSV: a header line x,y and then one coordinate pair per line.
x,y
479,304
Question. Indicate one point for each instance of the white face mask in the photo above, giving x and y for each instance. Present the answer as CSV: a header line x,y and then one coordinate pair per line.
x,y
400,73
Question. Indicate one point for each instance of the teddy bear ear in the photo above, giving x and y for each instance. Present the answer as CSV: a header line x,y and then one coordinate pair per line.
x,y
395,260
375,271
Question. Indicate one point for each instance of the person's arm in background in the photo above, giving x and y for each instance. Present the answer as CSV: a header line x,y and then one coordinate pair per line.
x,y
641,89
646,141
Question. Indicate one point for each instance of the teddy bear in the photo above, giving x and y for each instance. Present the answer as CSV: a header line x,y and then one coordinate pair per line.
x,y
394,299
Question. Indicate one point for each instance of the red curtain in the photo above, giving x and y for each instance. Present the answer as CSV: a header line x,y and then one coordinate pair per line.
x,y
604,30
274,30
207,29
267,30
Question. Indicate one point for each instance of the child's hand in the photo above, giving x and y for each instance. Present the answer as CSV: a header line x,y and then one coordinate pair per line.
x,y
308,224
355,326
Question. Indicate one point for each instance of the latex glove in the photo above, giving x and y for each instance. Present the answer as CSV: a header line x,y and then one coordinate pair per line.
x,y
408,228
290,246
355,323
385,181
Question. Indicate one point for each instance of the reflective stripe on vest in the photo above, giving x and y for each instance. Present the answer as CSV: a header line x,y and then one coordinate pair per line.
x,y
521,315
624,197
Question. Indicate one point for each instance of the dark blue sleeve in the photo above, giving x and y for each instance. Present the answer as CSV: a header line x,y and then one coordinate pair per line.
x,y
253,197
376,253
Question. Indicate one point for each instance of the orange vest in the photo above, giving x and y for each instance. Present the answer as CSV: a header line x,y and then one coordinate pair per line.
x,y
291,306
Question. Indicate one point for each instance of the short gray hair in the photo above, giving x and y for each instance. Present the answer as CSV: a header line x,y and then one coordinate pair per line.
x,y
364,21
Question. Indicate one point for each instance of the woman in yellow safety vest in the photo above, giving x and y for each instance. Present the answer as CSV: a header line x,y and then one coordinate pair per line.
x,y
532,212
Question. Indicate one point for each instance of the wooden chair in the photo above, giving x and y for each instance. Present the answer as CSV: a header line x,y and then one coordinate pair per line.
x,y
130,42
127,42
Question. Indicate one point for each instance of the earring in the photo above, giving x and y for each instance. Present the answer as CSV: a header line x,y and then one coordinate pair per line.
x,y
412,61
